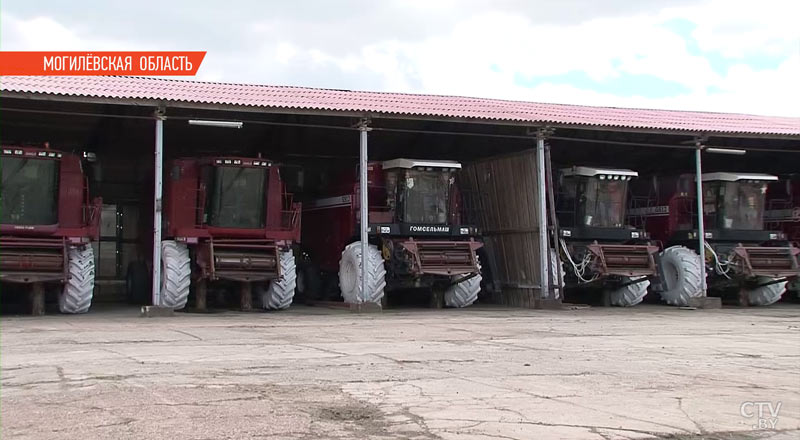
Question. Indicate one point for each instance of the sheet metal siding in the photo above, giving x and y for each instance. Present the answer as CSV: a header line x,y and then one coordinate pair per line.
x,y
300,98
503,192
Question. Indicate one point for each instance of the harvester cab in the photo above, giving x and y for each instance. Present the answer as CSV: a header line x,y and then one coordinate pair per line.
x,y
596,244
416,239
47,225
226,219
739,254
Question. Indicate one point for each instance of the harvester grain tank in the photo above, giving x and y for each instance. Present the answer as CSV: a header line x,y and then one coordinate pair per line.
x,y
47,224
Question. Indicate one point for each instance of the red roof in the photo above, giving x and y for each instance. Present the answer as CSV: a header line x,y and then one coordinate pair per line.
x,y
423,106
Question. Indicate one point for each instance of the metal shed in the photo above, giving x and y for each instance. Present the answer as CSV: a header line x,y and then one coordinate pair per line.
x,y
133,117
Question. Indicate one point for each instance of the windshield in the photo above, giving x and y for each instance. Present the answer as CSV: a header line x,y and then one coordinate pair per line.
x,y
29,191
236,198
602,203
740,205
424,196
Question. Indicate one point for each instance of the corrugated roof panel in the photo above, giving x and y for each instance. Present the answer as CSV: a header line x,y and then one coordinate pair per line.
x,y
285,97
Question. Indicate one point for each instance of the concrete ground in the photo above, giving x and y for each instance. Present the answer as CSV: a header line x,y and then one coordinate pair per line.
x,y
480,373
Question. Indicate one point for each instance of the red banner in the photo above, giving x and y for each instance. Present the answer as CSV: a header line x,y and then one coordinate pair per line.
x,y
101,63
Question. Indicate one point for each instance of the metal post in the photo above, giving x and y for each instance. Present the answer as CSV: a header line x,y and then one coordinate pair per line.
x,y
157,193
364,201
541,199
701,235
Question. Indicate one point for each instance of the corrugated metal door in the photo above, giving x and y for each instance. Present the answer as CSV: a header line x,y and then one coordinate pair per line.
x,y
502,194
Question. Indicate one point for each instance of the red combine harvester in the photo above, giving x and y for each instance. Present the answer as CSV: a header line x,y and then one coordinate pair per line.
x,y
597,246
47,223
783,214
416,239
740,256
227,219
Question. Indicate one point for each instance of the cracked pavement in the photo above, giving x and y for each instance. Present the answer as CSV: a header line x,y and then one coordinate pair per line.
x,y
478,373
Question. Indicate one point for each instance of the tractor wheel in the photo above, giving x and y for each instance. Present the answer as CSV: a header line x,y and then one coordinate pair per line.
x,y
350,274
79,288
681,268
766,295
629,295
176,274
280,293
309,282
464,293
794,289
137,283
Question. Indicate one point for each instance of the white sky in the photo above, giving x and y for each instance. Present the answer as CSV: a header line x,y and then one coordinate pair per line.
x,y
734,56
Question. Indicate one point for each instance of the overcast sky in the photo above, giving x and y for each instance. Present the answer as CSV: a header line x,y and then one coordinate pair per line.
x,y
735,56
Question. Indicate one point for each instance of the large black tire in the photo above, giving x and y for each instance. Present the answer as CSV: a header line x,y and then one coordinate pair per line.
x,y
176,274
681,268
137,283
350,274
464,293
76,297
280,293
630,295
309,281
766,295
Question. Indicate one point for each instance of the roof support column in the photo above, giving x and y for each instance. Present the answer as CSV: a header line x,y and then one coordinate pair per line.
x,y
157,194
541,217
363,128
701,234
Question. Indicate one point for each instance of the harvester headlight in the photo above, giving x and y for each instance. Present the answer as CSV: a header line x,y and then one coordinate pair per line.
x,y
58,155
616,177
227,161
42,153
602,177
218,162
256,163
7,151
237,162
51,154
634,234
464,231
18,152
385,229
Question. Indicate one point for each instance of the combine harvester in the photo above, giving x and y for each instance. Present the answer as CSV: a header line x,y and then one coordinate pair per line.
x,y
740,256
783,213
227,219
596,245
47,224
416,239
